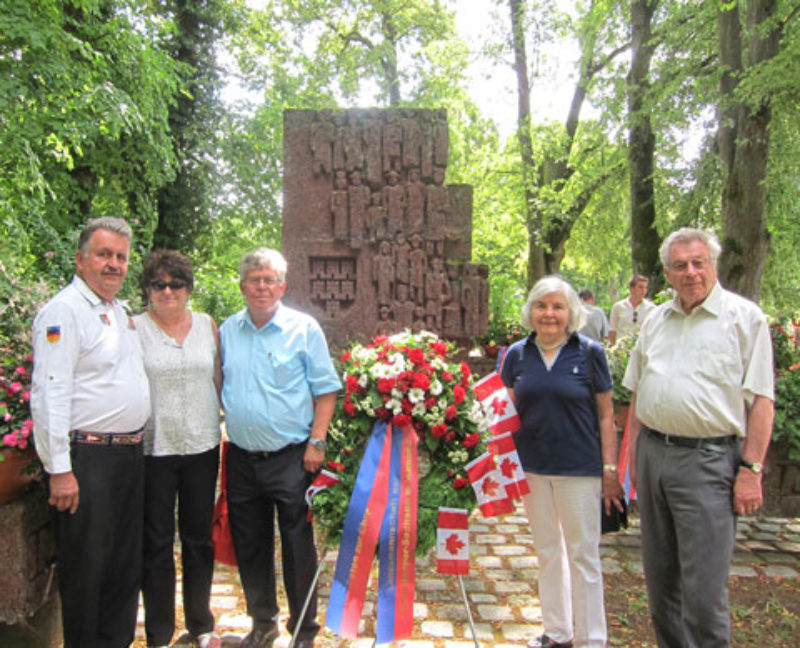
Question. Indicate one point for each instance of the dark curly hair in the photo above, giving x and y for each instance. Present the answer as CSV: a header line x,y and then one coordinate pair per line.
x,y
166,262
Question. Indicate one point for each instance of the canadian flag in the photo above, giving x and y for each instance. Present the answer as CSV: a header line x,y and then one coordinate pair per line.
x,y
487,483
452,541
493,395
505,454
324,480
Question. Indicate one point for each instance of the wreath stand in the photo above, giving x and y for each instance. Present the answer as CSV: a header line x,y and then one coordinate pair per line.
x,y
314,582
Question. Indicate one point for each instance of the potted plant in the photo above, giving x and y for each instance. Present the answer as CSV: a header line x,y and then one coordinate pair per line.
x,y
501,332
18,462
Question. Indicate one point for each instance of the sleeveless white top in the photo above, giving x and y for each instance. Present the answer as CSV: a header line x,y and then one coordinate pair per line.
x,y
186,412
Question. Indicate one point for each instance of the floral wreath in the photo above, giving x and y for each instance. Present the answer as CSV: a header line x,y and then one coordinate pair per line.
x,y
405,378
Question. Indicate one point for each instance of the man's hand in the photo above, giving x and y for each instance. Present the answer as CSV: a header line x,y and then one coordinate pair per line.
x,y
747,494
64,492
313,458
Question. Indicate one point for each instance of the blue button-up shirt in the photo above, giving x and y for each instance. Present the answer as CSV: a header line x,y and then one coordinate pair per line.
x,y
271,377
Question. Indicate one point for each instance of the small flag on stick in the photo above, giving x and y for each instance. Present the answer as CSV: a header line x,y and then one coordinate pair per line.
x,y
452,542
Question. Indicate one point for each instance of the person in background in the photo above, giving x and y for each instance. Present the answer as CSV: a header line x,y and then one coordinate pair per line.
x,y
700,420
90,400
181,446
279,392
628,314
596,326
560,383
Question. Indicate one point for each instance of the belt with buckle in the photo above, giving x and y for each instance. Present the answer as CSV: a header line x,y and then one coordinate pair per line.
x,y
690,442
107,438
258,455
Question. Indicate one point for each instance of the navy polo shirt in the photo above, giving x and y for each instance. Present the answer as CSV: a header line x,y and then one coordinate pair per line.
x,y
559,433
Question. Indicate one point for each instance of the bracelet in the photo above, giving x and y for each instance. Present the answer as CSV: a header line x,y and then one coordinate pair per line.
x,y
612,467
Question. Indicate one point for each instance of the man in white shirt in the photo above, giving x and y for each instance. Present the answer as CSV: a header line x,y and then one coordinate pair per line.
x,y
90,399
628,314
701,420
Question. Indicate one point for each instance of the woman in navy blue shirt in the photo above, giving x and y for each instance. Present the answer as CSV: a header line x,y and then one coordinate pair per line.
x,y
560,383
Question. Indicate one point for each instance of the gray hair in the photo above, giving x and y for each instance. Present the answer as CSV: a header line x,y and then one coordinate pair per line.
x,y
552,284
110,223
263,257
689,235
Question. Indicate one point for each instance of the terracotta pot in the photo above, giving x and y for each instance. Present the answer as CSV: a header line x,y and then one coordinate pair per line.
x,y
14,477
491,350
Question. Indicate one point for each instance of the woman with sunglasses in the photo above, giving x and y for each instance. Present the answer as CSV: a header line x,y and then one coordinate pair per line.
x,y
182,437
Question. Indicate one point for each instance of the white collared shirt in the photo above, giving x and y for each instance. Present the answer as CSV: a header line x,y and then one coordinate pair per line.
x,y
694,374
88,372
626,319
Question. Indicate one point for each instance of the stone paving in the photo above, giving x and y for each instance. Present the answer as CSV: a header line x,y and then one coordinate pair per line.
x,y
501,587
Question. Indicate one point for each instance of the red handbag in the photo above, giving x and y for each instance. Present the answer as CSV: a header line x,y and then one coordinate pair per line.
x,y
220,527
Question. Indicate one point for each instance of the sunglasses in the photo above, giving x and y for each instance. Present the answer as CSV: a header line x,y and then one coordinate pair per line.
x,y
175,284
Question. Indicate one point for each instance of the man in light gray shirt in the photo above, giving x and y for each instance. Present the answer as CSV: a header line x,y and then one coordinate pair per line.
x,y
596,326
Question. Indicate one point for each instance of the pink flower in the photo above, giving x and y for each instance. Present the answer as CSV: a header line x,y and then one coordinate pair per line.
x,y
20,371
14,388
25,396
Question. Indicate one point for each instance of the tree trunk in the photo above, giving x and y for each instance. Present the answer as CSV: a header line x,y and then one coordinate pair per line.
x,y
533,216
390,61
641,147
744,150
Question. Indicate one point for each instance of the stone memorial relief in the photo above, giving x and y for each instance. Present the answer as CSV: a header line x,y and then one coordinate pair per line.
x,y
376,241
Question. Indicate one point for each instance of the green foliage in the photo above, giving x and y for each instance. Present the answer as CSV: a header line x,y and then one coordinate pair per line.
x,y
618,356
786,353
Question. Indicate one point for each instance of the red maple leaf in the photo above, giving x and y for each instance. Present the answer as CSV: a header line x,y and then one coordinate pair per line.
x,y
508,467
453,544
499,406
490,486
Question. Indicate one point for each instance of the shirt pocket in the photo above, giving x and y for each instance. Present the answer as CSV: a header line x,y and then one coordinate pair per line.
x,y
286,368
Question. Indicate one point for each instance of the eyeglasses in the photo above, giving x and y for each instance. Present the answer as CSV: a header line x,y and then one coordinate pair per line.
x,y
635,316
268,281
175,284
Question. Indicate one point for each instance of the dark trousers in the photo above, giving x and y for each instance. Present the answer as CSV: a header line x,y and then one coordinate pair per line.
x,y
688,533
256,487
192,480
100,547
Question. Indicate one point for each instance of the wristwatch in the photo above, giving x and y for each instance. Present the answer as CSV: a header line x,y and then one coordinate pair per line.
x,y
755,466
611,467
319,444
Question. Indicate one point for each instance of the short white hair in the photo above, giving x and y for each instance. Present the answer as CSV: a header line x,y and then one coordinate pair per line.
x,y
555,284
262,258
689,235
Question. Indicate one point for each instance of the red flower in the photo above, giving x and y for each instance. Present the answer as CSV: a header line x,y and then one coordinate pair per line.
x,y
20,370
471,440
345,357
450,435
385,385
465,371
407,406
430,402
446,375
352,384
417,356
335,466
459,394
460,482
25,396
439,430
349,407
450,413
439,347
401,420
380,339
382,413
421,380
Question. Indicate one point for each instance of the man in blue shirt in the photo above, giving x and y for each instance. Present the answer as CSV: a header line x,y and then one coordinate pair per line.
x,y
279,392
